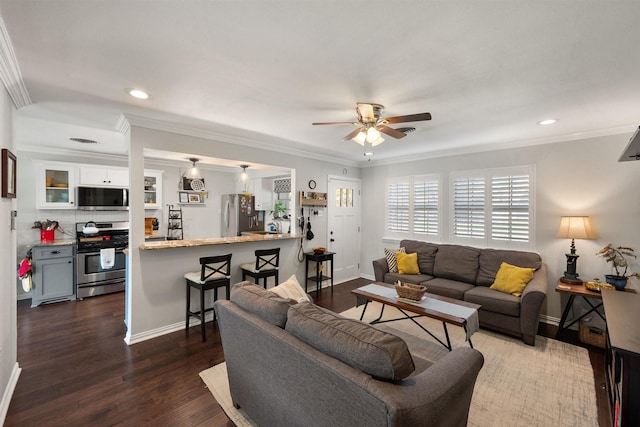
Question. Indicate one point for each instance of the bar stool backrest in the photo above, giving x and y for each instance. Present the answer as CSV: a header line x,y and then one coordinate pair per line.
x,y
215,267
267,259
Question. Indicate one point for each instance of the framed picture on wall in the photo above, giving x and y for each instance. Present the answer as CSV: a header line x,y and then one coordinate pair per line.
x,y
183,197
9,164
194,198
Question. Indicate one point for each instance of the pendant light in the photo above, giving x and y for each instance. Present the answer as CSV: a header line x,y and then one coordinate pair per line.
x,y
193,172
244,175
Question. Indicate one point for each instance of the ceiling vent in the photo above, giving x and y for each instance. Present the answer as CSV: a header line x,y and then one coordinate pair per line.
x,y
84,140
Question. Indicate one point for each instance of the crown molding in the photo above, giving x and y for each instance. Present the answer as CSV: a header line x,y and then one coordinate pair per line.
x,y
10,71
207,133
618,130
91,155
122,124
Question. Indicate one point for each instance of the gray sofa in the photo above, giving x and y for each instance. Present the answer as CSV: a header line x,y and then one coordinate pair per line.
x,y
466,273
301,365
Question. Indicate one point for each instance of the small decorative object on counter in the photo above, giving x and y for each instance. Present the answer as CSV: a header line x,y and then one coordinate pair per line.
x,y
617,257
47,229
410,291
597,285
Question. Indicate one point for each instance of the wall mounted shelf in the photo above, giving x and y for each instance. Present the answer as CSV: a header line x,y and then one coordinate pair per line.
x,y
310,198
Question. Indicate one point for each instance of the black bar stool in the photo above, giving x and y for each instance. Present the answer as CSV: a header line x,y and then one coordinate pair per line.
x,y
215,273
266,265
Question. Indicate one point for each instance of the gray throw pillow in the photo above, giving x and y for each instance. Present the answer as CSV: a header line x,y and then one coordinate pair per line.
x,y
360,345
264,304
392,262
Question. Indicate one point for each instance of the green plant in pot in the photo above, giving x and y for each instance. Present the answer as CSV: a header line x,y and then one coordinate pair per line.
x,y
617,256
280,210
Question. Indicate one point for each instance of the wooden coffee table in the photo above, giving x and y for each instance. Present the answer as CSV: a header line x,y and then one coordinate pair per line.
x,y
417,311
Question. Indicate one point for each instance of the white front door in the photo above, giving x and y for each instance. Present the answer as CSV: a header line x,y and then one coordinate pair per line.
x,y
343,209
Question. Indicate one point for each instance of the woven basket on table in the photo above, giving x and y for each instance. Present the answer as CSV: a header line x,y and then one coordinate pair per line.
x,y
410,291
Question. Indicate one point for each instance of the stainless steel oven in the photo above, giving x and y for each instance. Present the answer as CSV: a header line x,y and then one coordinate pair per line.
x,y
92,238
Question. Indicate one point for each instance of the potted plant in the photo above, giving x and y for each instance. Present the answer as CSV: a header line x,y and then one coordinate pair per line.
x,y
617,257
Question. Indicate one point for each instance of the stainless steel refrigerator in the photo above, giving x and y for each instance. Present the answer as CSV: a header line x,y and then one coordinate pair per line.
x,y
238,215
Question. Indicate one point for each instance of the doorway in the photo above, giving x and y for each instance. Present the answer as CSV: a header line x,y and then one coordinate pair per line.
x,y
343,210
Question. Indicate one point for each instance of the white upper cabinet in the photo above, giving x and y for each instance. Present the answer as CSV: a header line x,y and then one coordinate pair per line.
x,y
262,189
116,177
55,185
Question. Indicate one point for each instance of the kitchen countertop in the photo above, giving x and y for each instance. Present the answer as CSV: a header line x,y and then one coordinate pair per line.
x,y
168,244
57,242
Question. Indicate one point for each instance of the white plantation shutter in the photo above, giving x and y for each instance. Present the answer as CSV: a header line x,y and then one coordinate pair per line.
x,y
426,201
510,216
398,207
468,213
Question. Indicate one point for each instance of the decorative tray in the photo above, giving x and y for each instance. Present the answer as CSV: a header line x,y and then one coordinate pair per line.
x,y
597,286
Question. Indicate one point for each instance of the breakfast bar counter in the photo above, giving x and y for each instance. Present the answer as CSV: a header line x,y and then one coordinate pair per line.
x,y
209,241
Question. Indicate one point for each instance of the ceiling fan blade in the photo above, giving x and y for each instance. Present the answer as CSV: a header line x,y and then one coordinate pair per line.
x,y
365,112
352,135
335,123
408,118
391,132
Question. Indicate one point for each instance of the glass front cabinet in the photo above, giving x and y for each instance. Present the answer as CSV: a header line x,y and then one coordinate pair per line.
x,y
152,189
55,186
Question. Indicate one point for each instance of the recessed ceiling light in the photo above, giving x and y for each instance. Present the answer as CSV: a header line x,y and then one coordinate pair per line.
x,y
368,153
137,93
547,122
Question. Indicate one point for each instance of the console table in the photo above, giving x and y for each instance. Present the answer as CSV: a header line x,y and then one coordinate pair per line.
x,y
318,277
623,356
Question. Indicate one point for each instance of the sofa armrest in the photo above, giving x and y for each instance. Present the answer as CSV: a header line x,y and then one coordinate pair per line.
x,y
380,268
438,396
531,303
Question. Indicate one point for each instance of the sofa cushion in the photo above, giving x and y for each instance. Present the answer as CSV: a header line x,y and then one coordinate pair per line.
x,y
391,256
426,254
375,352
447,288
490,260
291,289
264,304
512,279
457,262
407,263
409,278
494,301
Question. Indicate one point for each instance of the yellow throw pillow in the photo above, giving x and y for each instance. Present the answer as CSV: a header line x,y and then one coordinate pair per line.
x,y
407,263
511,279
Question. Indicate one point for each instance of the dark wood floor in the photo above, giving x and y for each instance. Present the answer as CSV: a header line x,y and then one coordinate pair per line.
x,y
78,371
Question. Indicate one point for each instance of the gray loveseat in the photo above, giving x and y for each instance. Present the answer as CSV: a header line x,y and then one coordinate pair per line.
x,y
281,369
466,273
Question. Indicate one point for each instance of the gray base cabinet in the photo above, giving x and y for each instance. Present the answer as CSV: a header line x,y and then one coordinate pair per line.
x,y
52,274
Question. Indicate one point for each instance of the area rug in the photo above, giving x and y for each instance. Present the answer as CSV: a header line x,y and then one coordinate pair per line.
x,y
519,385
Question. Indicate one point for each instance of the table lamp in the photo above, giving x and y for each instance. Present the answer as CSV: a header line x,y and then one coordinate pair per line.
x,y
574,227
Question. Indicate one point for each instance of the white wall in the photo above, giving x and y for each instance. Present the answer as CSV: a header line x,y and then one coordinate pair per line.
x,y
9,369
580,177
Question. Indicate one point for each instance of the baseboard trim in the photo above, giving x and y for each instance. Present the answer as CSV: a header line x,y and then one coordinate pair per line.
x,y
154,333
8,392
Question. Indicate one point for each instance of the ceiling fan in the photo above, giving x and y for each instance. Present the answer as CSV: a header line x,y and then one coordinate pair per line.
x,y
371,124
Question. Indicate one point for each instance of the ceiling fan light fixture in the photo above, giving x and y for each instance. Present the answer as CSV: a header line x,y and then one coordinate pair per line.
x,y
373,134
546,122
360,138
193,172
378,141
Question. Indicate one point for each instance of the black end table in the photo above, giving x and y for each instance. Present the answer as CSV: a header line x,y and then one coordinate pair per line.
x,y
319,277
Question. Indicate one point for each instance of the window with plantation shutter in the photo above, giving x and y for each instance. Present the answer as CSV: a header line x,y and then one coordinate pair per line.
x,y
510,218
398,207
469,207
426,199
413,207
493,207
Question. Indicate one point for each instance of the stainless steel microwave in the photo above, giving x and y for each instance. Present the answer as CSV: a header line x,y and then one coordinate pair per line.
x,y
102,198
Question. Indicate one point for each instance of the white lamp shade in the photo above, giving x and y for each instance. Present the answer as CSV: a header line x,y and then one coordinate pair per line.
x,y
373,134
193,173
360,138
575,227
